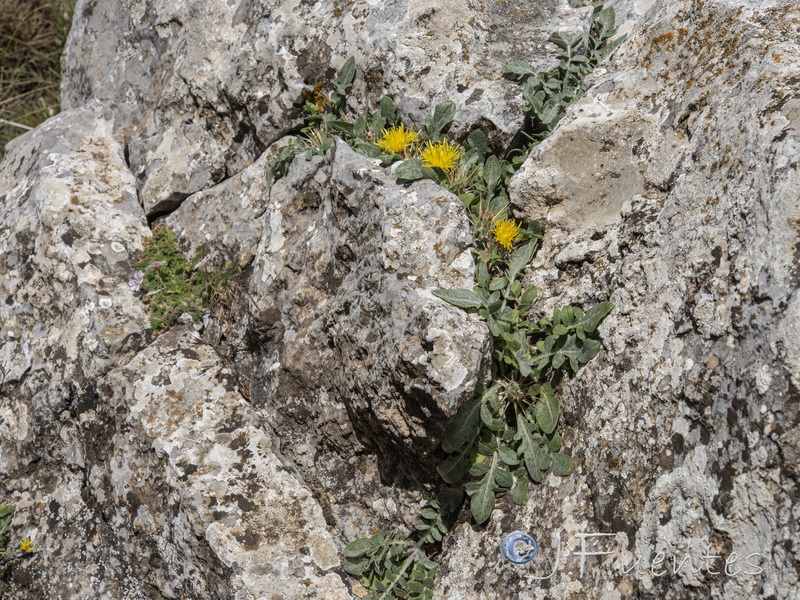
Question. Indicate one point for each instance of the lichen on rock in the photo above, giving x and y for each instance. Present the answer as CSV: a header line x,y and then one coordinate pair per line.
x,y
236,459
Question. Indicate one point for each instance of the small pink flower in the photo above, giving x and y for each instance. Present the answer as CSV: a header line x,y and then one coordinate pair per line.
x,y
154,265
202,262
135,281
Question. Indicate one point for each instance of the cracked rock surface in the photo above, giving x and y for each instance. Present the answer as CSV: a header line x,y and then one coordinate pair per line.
x,y
672,190
235,458
200,89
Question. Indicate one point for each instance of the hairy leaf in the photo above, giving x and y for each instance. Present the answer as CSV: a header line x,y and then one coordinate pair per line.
x,y
454,467
464,426
358,548
388,110
535,460
345,77
482,502
476,140
460,298
410,170
520,259
442,117
561,464
546,412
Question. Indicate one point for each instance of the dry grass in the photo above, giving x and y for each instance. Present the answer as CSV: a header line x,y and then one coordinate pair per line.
x,y
32,37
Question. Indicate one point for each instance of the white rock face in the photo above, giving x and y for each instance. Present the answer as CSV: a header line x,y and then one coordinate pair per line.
x,y
220,473
237,465
672,190
199,89
69,226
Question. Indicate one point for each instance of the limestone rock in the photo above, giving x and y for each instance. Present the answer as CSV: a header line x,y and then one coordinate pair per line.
x,y
239,463
213,462
671,190
198,89
226,219
70,225
355,353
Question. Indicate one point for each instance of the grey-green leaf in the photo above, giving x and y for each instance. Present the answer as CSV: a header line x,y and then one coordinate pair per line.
x,y
482,502
529,296
519,493
357,548
561,464
453,468
345,77
546,413
503,478
442,117
388,109
464,426
410,170
521,67
450,499
477,141
459,297
534,457
593,317
508,455
492,172
520,259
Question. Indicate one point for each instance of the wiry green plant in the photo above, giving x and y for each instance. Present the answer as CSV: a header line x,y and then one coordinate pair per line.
x,y
172,284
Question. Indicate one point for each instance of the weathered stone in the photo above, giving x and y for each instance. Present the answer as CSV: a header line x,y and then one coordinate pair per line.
x,y
671,190
70,225
355,352
217,467
163,468
226,219
199,89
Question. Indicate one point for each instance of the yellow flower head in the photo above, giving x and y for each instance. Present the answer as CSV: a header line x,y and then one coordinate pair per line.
x,y
396,139
25,545
441,155
505,231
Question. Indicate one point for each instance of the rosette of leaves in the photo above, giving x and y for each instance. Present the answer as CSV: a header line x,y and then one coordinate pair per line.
x,y
324,119
506,435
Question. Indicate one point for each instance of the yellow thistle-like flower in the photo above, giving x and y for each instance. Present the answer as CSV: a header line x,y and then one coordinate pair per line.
x,y
25,545
397,139
441,155
505,231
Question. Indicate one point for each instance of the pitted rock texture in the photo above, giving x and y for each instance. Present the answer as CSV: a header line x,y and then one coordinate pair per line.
x,y
671,190
69,226
226,219
216,464
160,467
355,353
200,89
